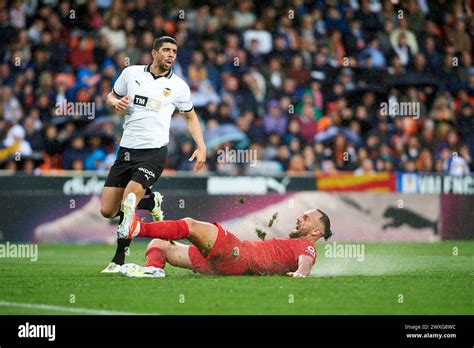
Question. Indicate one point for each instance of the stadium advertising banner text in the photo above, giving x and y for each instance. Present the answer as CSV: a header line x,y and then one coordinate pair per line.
x,y
436,184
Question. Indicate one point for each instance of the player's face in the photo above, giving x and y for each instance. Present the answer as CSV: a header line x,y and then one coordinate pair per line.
x,y
306,223
165,55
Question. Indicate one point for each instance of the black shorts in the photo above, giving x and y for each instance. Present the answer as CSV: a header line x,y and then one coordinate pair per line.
x,y
141,165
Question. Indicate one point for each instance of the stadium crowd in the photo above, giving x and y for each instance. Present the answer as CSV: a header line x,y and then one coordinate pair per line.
x,y
298,83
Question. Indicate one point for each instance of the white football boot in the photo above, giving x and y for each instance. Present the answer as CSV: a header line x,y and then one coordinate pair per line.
x,y
130,225
135,271
111,268
157,213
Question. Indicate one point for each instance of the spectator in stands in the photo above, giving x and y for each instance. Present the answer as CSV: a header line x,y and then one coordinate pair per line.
x,y
239,59
74,154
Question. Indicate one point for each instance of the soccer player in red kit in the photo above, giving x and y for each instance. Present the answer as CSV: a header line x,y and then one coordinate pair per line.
x,y
217,251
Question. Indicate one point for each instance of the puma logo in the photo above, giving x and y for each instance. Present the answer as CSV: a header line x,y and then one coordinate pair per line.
x,y
139,83
398,217
147,173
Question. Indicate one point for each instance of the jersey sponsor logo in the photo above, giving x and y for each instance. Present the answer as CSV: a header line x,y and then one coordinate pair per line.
x,y
166,92
311,250
146,171
139,83
140,100
147,103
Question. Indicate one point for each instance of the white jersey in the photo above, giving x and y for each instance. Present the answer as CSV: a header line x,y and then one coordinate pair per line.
x,y
153,102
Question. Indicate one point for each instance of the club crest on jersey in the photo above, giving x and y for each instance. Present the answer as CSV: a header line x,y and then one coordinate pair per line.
x,y
311,250
166,92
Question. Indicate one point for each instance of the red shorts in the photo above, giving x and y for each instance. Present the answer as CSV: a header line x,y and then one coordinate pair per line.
x,y
224,258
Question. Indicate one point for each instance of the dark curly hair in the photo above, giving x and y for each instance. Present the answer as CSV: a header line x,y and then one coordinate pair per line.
x,y
161,40
327,225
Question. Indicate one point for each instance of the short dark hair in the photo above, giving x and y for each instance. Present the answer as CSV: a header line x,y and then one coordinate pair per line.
x,y
161,40
327,225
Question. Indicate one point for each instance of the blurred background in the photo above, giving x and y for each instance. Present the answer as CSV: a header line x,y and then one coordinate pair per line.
x,y
300,84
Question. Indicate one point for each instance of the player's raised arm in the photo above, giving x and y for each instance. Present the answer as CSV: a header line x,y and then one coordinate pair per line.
x,y
194,128
305,263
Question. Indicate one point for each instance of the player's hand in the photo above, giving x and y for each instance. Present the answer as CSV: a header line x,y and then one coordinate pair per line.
x,y
295,275
123,103
200,155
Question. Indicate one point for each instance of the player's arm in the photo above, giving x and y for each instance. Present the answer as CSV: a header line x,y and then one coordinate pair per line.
x,y
117,102
195,130
118,98
305,263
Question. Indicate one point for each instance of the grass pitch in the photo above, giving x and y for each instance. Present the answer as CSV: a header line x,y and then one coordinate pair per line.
x,y
393,278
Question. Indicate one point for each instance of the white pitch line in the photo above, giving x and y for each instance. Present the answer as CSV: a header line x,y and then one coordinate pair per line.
x,y
63,309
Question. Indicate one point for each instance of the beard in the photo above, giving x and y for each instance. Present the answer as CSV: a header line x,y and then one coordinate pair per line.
x,y
296,234
163,67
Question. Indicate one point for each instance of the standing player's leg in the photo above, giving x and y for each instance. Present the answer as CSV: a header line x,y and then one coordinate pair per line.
x,y
147,166
110,201
124,244
110,208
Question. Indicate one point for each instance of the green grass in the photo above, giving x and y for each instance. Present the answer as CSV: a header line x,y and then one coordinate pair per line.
x,y
430,278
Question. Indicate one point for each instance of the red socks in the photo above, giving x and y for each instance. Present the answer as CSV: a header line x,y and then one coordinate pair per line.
x,y
155,257
167,229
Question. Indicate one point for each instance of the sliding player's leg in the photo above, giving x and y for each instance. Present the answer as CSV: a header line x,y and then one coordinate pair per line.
x,y
160,252
202,234
214,250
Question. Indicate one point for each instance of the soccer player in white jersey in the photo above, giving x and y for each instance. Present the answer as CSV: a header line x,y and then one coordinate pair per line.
x,y
149,95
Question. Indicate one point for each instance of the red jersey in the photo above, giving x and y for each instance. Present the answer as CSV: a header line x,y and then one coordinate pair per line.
x,y
276,256
231,256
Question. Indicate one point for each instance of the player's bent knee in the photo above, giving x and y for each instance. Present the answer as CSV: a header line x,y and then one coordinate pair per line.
x,y
107,213
158,243
191,223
